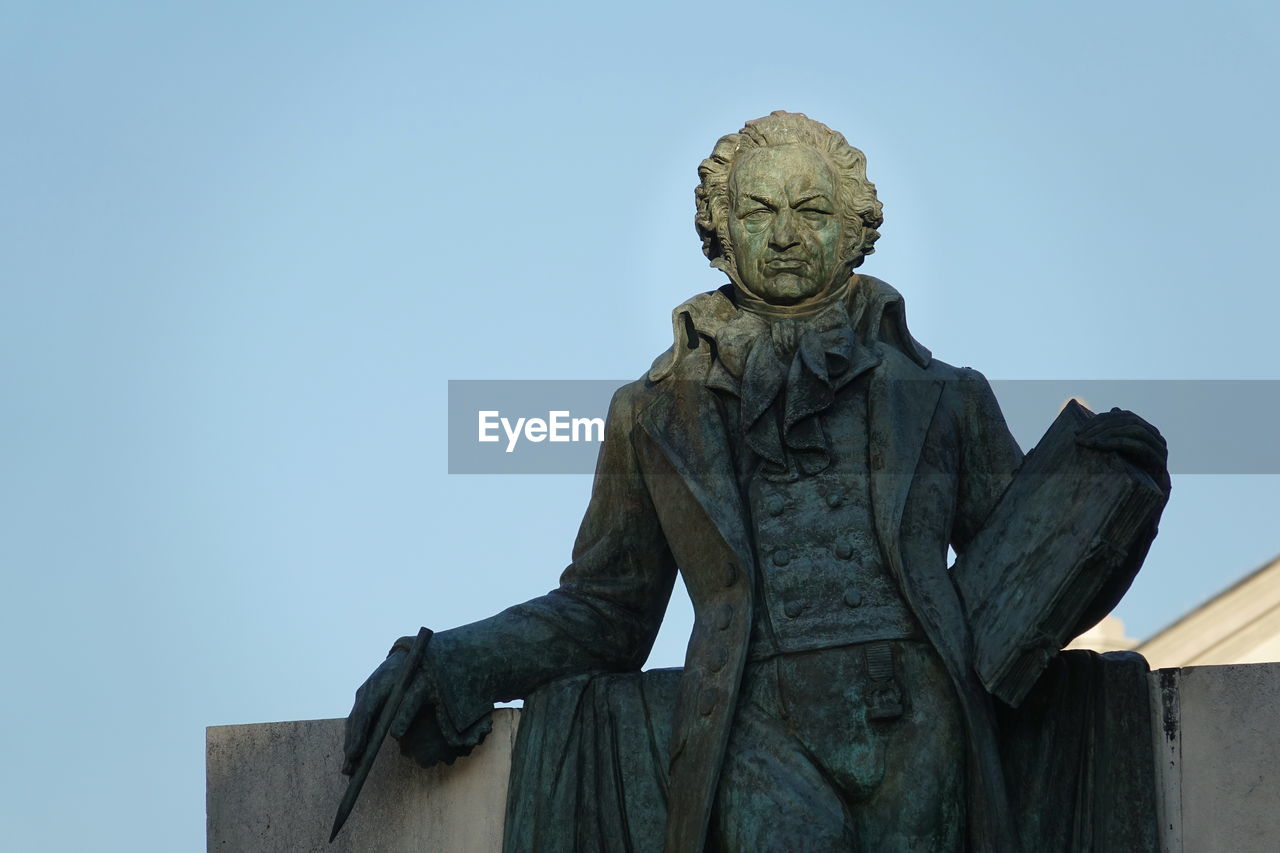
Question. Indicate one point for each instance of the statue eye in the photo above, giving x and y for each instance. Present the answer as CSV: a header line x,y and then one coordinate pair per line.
x,y
757,217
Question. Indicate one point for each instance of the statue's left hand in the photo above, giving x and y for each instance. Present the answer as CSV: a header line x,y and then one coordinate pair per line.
x,y
1129,435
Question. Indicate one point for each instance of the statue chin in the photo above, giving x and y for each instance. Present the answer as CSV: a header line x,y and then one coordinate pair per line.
x,y
786,290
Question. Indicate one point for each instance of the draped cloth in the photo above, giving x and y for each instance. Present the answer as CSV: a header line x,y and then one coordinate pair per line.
x,y
1080,758
589,774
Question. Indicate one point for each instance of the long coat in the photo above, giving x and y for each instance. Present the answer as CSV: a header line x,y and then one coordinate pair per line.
x,y
666,498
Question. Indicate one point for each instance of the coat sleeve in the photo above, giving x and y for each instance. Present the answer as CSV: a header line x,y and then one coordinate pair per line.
x,y
605,613
989,457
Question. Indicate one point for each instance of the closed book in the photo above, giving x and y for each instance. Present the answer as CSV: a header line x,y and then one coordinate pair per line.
x,y
1064,531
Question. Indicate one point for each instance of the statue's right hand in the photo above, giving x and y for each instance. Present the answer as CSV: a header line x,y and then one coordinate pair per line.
x,y
370,698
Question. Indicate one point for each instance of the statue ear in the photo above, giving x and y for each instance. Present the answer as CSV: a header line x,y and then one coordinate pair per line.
x,y
853,247
724,263
864,245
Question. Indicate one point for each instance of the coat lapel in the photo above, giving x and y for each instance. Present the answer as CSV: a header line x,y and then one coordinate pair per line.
x,y
686,425
902,400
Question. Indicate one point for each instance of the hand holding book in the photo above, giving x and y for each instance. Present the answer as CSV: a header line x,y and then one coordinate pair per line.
x,y
1063,544
1137,441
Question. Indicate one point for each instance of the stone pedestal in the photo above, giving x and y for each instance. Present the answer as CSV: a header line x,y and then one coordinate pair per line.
x,y
275,787
1218,756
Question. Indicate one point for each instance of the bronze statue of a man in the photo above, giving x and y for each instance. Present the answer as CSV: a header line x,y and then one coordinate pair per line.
x,y
804,463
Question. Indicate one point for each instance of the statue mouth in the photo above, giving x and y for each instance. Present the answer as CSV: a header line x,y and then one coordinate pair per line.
x,y
786,265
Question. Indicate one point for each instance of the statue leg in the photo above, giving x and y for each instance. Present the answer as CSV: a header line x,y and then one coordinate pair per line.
x,y
897,761
810,766
920,803
773,798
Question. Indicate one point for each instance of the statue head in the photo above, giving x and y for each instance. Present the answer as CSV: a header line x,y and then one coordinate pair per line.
x,y
784,207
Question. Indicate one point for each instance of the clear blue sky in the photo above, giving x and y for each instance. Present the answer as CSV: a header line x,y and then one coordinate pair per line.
x,y
245,245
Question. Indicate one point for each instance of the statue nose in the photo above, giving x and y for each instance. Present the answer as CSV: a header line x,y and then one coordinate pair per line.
x,y
783,235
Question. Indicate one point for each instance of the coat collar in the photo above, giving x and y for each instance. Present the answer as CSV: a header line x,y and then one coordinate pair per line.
x,y
685,419
879,307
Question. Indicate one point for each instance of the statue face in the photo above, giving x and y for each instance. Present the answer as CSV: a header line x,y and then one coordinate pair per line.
x,y
783,223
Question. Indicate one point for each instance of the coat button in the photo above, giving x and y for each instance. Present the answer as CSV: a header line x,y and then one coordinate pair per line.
x,y
708,701
719,658
852,596
844,549
724,616
781,557
793,609
835,499
730,574
775,505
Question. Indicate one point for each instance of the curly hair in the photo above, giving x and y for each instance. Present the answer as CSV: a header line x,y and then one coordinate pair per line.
x,y
859,208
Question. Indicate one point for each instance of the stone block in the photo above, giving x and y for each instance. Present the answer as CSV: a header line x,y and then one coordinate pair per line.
x,y
1218,746
274,787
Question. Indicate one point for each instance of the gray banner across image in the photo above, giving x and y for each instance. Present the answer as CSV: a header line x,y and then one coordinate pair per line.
x,y
548,426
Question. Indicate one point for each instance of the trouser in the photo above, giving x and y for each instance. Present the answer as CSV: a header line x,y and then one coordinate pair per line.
x,y
813,765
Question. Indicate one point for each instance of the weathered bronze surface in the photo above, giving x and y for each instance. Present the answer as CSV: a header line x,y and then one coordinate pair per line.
x,y
804,463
